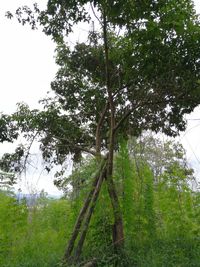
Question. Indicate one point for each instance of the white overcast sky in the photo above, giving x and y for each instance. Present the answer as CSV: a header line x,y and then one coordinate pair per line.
x,y
27,67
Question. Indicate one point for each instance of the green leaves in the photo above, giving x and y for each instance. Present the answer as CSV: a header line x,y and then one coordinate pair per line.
x,y
154,62
8,129
33,236
154,70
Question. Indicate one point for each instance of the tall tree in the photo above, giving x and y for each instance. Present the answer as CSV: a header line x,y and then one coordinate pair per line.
x,y
146,77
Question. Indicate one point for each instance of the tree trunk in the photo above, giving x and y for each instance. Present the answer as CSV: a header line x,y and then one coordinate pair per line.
x,y
118,231
88,216
105,170
83,211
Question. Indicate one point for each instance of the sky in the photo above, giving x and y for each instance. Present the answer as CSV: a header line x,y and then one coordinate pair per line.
x,y
27,66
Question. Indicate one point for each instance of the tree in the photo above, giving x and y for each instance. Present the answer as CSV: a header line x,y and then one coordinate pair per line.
x,y
147,77
159,154
6,181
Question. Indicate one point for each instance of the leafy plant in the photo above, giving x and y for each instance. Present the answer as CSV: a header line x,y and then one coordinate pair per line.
x,y
146,77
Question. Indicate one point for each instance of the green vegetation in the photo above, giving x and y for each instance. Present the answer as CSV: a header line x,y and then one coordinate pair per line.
x,y
141,71
160,214
32,236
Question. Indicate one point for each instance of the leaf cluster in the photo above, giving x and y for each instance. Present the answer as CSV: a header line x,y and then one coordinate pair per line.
x,y
153,67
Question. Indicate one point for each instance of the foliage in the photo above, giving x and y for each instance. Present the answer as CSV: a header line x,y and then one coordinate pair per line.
x,y
160,154
153,69
160,212
32,236
6,181
145,77
161,218
12,221
8,130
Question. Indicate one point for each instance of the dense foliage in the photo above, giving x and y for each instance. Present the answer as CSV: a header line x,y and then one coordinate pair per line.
x,y
152,75
161,216
32,235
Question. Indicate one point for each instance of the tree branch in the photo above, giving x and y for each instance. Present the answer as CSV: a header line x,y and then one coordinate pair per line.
x,y
28,152
84,149
143,103
98,129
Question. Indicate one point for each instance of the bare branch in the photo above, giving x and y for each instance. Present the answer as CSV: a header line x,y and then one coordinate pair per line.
x,y
82,148
28,151
94,13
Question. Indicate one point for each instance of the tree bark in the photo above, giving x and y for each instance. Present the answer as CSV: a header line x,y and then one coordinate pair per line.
x,y
83,211
105,171
88,216
98,130
118,233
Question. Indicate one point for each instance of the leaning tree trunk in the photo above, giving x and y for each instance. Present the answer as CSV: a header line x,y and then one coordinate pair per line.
x,y
88,216
82,217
